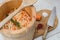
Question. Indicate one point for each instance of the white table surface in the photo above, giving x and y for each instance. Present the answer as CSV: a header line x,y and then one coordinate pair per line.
x,y
47,4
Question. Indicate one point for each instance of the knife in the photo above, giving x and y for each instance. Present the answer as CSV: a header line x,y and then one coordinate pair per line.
x,y
50,22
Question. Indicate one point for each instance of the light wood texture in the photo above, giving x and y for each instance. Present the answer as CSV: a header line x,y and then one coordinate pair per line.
x,y
44,22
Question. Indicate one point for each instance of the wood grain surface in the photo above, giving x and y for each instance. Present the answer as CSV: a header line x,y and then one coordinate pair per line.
x,y
43,21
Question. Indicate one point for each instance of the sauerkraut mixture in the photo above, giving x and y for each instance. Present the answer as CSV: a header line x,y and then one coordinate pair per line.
x,y
20,20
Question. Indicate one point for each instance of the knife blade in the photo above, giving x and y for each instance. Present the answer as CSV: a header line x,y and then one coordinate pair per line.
x,y
50,22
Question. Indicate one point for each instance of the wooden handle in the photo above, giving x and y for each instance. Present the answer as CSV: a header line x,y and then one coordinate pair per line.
x,y
45,33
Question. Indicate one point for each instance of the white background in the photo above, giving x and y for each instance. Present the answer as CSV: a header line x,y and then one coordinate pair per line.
x,y
47,4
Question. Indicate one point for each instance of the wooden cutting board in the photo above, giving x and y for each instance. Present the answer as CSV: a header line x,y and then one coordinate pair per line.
x,y
43,21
